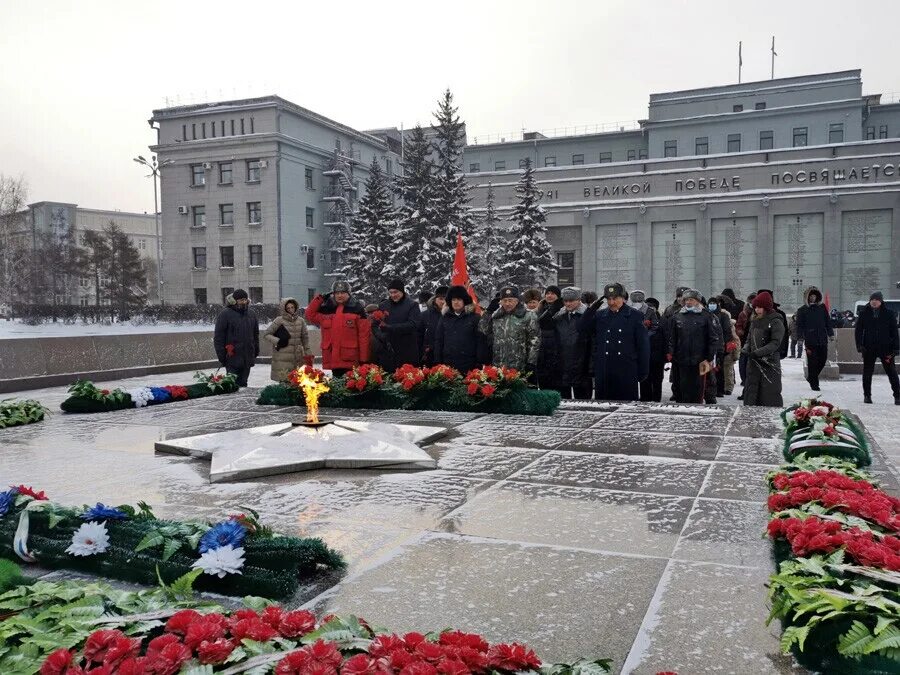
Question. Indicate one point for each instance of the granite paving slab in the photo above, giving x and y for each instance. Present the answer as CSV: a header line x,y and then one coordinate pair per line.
x,y
672,424
563,603
520,435
748,450
600,520
676,409
580,420
727,532
737,481
756,422
617,472
627,442
482,461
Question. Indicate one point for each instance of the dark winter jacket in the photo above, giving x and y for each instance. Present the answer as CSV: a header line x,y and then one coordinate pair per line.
x,y
724,319
733,305
548,355
783,349
236,337
428,330
621,351
764,336
694,337
401,326
572,357
345,331
458,343
515,337
877,333
813,323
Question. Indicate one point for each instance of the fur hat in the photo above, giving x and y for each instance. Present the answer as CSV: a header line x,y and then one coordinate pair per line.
x,y
509,292
239,294
764,299
397,285
531,294
340,287
571,293
441,292
679,292
689,293
614,291
460,293
553,289
638,296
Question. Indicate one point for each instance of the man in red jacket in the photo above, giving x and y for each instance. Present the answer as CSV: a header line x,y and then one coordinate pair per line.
x,y
345,328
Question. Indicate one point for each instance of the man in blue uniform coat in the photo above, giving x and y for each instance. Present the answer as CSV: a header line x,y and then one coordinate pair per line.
x,y
621,346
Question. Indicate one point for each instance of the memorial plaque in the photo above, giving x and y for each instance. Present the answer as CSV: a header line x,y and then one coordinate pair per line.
x,y
798,257
617,255
734,255
674,257
865,254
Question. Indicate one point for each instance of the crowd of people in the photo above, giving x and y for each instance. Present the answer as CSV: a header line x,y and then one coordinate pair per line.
x,y
615,346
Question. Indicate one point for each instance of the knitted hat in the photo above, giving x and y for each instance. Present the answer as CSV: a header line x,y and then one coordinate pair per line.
x,y
689,293
764,299
509,292
877,295
531,294
441,292
553,289
397,285
340,287
571,293
460,293
239,294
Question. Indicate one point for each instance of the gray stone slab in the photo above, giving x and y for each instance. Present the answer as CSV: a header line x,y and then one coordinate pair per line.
x,y
737,481
21,358
70,355
709,619
601,520
623,442
692,425
448,419
616,472
744,449
482,461
519,435
676,409
756,422
727,532
563,603
577,420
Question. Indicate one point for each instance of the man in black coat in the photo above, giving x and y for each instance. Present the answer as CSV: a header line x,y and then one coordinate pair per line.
x,y
573,355
692,346
666,325
458,343
651,388
548,357
723,318
877,337
236,337
401,327
815,331
621,346
431,315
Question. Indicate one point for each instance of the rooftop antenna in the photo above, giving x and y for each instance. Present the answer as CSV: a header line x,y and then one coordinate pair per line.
x,y
774,54
740,61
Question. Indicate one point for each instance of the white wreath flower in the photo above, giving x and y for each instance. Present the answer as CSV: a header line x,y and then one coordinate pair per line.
x,y
140,396
89,539
221,561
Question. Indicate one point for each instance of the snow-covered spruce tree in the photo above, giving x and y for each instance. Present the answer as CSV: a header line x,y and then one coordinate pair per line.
x,y
451,195
528,259
370,240
488,249
414,248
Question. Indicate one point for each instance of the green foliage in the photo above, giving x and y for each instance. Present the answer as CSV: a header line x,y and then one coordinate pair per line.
x,y
14,413
582,667
218,384
87,398
11,576
171,536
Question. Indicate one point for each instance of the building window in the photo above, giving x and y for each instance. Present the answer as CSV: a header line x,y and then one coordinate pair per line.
x,y
474,167
212,126
226,291
701,145
232,127
193,132
642,153
565,275
577,159
203,129
308,178
337,144
199,257
737,107
227,255
252,131
199,213
226,214
225,173
198,175
242,127
670,149
882,131
388,167
500,165
631,155
800,137
142,244
550,161
256,296
310,218
870,133
760,105
605,157
223,127
310,294
184,132
766,140
734,142
836,133
311,258
84,282
254,213
523,163
199,296
252,170
254,254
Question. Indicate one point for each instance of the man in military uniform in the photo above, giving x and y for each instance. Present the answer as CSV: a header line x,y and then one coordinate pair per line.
x,y
514,332
621,346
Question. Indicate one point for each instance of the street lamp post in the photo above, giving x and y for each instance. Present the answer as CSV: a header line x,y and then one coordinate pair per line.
x,y
154,173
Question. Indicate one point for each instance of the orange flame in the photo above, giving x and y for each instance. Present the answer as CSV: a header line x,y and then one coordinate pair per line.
x,y
313,387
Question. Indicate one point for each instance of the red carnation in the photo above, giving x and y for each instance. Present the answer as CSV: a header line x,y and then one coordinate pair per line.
x,y
428,651
57,662
383,645
472,389
361,664
122,649
513,657
272,615
487,391
254,629
179,621
296,624
29,492
453,667
418,668
104,392
213,653
460,639
100,642
157,643
203,631
170,658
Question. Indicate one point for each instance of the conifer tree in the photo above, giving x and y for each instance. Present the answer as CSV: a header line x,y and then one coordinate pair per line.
x,y
528,259
370,240
488,248
124,270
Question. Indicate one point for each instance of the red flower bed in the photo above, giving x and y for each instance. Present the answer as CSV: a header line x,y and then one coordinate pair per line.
x,y
365,377
408,376
815,535
491,381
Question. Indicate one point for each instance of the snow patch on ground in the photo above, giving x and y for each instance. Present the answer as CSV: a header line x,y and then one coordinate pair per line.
x,y
11,329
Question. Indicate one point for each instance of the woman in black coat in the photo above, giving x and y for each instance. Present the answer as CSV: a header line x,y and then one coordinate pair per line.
x,y
400,327
457,342
877,338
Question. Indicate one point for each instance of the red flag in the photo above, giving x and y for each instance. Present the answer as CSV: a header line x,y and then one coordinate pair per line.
x,y
827,303
460,275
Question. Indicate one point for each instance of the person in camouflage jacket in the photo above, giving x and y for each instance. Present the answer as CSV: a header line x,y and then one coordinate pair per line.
x,y
513,331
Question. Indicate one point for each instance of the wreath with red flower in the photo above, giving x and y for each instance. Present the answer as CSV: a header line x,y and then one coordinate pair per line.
x,y
493,382
366,377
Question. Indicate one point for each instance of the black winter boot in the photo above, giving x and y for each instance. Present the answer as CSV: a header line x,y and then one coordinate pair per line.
x,y
897,399
867,398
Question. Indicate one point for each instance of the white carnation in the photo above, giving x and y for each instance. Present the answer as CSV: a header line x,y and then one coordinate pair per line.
x,y
89,539
221,561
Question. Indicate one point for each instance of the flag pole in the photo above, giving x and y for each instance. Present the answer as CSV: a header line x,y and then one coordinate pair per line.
x,y
740,62
773,57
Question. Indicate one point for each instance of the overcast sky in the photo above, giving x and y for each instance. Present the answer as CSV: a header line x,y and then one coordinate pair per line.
x,y
80,79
